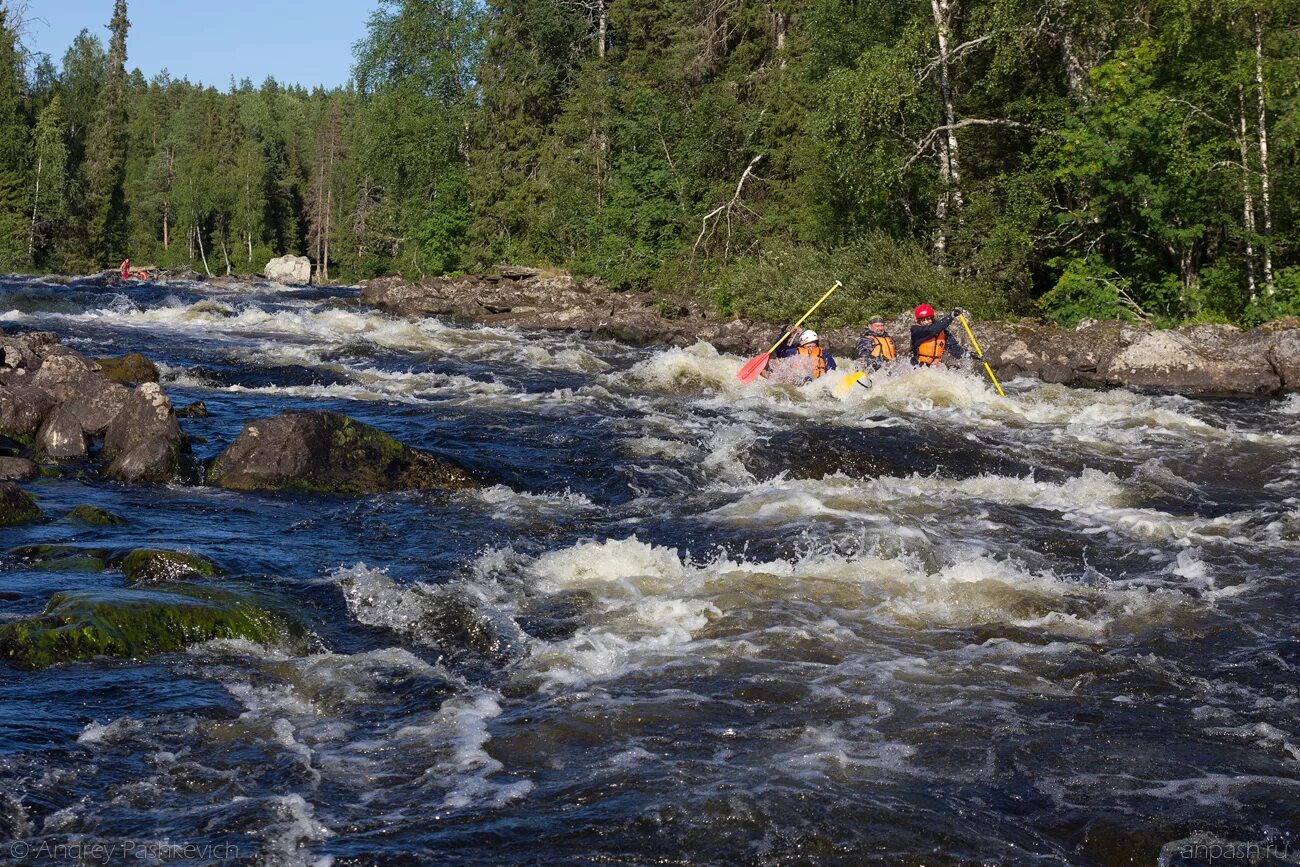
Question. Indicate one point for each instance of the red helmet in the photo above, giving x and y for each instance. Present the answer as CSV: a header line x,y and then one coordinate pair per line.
x,y
924,311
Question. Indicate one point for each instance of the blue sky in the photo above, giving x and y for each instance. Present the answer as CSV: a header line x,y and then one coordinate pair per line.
x,y
298,42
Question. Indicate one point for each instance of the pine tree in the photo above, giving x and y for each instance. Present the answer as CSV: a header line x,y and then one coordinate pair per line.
x,y
13,139
106,153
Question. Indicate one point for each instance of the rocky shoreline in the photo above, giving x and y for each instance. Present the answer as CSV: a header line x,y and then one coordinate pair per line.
x,y
1200,360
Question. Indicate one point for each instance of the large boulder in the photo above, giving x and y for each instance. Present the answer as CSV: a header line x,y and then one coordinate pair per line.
x,y
1210,359
75,382
16,505
144,441
289,269
61,435
22,409
136,624
327,452
130,369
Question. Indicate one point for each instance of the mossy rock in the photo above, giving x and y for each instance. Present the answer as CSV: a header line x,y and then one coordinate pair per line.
x,y
64,558
94,516
16,506
130,369
326,452
136,624
152,565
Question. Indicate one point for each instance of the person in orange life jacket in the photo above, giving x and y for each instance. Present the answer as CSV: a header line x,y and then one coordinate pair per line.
x,y
875,347
931,339
809,347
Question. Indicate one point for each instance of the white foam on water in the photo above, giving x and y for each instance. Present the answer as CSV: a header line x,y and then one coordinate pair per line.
x,y
286,841
508,504
97,733
456,737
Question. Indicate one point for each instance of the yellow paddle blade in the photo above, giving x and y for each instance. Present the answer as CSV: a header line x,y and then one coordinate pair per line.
x,y
847,383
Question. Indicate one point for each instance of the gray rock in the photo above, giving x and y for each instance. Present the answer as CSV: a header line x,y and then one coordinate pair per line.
x,y
198,409
289,269
61,435
22,409
144,441
327,452
16,470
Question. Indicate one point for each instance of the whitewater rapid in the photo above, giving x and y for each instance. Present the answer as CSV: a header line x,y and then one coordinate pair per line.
x,y
686,620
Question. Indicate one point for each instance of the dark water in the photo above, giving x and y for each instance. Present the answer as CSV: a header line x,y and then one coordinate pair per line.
x,y
916,624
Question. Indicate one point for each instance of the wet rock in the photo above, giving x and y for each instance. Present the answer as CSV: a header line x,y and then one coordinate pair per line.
x,y
16,470
94,516
144,441
130,369
289,269
329,453
61,436
152,565
136,624
16,506
558,616
198,409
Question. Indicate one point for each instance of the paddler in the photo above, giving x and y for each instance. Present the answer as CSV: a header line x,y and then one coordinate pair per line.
x,y
126,269
931,339
875,347
818,360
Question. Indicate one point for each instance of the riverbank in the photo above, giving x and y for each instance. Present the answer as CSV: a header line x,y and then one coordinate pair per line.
x,y
1205,360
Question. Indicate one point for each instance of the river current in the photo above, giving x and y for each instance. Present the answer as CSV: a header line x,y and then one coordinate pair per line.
x,y
911,624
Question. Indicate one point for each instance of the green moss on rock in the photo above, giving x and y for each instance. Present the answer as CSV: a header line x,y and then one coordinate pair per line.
x,y
94,516
326,452
135,624
150,564
16,506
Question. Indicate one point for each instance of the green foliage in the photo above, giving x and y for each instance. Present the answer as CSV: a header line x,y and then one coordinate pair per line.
x,y
1100,162
1088,289
881,277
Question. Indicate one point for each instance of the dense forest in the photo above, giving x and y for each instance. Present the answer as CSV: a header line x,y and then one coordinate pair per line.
x,y
1063,157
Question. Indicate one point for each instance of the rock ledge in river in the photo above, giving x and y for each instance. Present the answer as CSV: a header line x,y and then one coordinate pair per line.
x,y
327,452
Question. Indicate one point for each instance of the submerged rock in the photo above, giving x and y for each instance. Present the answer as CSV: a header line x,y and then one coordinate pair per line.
x,y
130,369
329,453
558,616
150,564
16,469
135,623
198,409
16,506
94,516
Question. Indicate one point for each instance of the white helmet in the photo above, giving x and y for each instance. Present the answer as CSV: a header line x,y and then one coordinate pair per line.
x,y
807,337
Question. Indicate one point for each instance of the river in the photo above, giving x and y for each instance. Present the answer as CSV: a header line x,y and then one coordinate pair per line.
x,y
916,624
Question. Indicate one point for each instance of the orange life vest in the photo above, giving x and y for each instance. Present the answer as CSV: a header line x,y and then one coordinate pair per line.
x,y
930,351
882,346
818,357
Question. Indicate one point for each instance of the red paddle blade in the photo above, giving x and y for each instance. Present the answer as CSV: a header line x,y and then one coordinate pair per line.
x,y
753,367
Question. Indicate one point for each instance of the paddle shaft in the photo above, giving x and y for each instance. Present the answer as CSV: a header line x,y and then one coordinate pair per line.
x,y
975,343
786,335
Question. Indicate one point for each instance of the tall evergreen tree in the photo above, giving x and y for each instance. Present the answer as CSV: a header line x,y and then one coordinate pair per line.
x,y
106,210
13,140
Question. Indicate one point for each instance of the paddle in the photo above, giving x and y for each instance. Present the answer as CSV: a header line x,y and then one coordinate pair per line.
x,y
755,365
846,385
980,353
